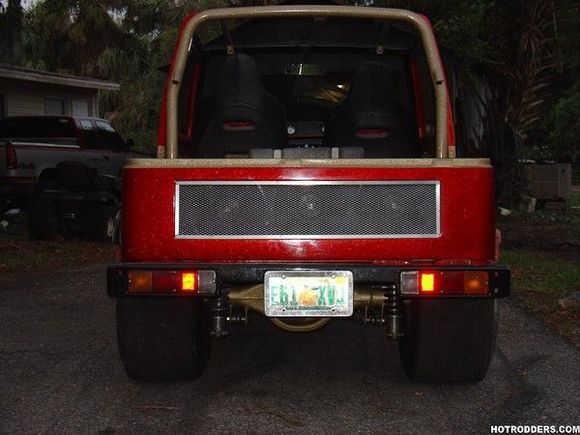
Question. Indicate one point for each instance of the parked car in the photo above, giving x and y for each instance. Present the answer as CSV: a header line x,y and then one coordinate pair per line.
x,y
67,170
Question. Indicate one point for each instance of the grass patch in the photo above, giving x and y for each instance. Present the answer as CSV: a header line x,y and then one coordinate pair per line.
x,y
17,253
542,273
539,281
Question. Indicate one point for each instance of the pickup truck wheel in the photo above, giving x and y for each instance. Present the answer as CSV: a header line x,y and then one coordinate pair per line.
x,y
449,340
43,220
162,339
117,230
101,223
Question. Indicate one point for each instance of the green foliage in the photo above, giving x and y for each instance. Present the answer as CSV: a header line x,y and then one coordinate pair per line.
x,y
11,23
70,35
135,110
463,30
120,40
556,134
562,127
526,50
131,109
459,24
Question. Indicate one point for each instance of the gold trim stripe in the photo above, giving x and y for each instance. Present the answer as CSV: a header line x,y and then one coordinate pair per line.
x,y
326,163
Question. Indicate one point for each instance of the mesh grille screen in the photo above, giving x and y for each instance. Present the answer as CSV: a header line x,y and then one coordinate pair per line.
x,y
285,210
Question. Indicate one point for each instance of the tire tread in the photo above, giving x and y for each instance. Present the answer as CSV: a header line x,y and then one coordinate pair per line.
x,y
162,339
449,340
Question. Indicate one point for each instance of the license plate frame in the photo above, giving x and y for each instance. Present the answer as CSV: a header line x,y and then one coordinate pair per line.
x,y
333,287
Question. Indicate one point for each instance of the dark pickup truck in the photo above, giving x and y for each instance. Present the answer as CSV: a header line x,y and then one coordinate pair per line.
x,y
31,144
66,169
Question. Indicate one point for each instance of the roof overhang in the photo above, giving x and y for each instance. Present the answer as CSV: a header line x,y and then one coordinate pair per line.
x,y
18,73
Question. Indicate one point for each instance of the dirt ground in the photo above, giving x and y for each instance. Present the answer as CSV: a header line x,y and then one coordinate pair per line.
x,y
19,253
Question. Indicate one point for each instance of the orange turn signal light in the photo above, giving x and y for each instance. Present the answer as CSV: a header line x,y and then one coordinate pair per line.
x,y
189,281
427,283
476,283
140,281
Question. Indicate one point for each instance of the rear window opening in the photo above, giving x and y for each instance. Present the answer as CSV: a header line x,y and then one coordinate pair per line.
x,y
45,129
342,92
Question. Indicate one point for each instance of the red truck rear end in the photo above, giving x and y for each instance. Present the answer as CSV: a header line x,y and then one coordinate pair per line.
x,y
297,179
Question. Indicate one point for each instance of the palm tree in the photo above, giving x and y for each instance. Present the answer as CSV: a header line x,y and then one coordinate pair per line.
x,y
11,23
71,34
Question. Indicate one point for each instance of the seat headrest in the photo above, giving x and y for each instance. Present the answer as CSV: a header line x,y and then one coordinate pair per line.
x,y
239,77
371,87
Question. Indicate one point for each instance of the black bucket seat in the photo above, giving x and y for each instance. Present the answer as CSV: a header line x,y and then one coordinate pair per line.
x,y
372,118
239,114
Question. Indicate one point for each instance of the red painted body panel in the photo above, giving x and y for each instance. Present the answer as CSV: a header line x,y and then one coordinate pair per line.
x,y
467,219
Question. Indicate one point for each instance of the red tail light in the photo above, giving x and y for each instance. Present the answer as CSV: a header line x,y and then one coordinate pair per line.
x,y
11,159
445,282
372,133
238,125
163,281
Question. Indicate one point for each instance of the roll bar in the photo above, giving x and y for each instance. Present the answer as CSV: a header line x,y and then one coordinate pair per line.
x,y
417,21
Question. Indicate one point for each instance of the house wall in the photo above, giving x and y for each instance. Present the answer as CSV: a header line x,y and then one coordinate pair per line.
x,y
23,97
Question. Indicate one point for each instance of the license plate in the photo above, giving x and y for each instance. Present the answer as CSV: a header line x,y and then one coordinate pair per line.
x,y
308,293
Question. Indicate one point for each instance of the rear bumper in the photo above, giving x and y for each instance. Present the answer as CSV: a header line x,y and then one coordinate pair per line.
x,y
229,275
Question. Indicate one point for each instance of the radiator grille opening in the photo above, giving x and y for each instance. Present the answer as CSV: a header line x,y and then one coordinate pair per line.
x,y
291,210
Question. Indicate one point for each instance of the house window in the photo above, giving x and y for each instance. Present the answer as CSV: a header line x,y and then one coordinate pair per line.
x,y
2,106
80,108
54,106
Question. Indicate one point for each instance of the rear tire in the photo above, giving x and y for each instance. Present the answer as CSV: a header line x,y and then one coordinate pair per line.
x,y
449,340
162,339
